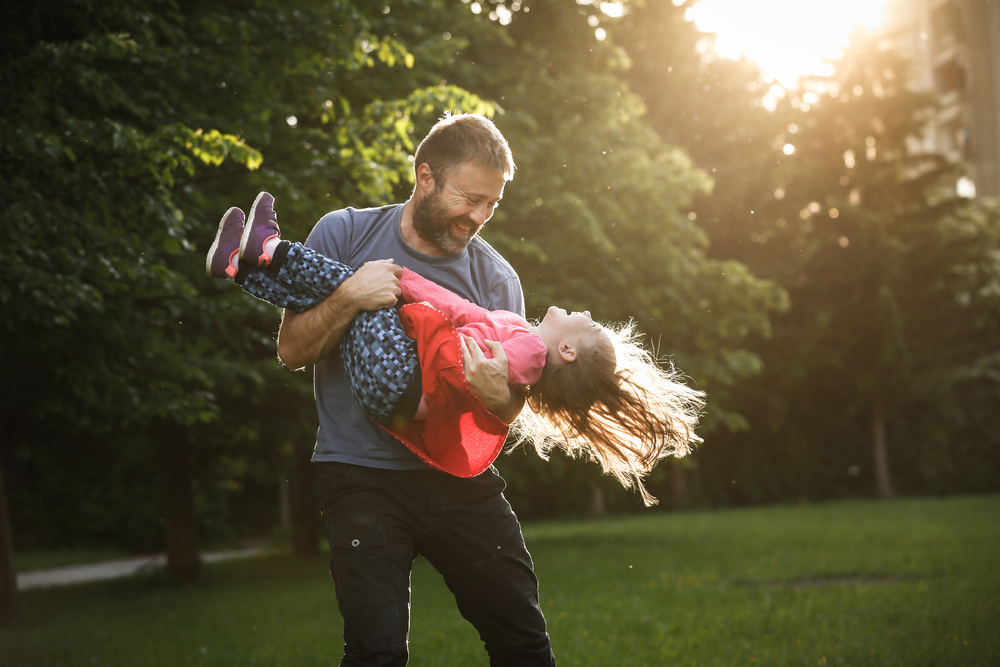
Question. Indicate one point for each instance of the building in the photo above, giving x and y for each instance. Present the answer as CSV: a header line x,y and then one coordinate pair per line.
x,y
955,45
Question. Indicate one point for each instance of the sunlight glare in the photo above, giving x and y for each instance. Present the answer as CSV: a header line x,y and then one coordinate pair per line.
x,y
613,9
787,38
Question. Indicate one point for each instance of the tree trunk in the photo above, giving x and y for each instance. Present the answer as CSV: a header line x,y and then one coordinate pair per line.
x,y
9,603
883,484
598,502
305,503
678,485
179,520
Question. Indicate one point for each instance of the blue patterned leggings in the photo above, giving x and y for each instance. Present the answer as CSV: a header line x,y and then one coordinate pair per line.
x,y
379,358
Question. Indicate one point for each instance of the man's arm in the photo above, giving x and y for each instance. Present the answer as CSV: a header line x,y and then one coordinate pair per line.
x,y
305,338
487,379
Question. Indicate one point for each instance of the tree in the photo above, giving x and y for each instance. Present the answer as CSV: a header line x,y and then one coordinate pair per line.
x,y
128,126
597,216
713,108
860,324
9,604
871,208
864,232
86,189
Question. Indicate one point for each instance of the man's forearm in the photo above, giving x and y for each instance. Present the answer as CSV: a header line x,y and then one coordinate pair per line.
x,y
305,338
507,411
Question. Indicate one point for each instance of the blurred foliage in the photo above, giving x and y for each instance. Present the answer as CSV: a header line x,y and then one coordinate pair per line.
x,y
892,279
131,127
597,216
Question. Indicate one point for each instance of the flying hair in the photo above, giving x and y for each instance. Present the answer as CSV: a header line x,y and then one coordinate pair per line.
x,y
616,404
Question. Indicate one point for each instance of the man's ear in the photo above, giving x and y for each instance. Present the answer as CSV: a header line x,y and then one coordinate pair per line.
x,y
566,352
425,177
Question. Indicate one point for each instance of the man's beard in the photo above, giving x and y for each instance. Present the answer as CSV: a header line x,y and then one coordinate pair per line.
x,y
431,222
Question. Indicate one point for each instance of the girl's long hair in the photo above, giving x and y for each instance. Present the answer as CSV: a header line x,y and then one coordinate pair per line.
x,y
616,404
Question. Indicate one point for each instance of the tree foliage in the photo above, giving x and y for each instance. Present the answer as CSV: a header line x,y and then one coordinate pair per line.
x,y
598,214
865,232
131,127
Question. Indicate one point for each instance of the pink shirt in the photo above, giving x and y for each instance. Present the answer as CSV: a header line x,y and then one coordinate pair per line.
x,y
526,352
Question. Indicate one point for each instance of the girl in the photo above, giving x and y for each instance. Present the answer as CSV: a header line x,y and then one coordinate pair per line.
x,y
590,389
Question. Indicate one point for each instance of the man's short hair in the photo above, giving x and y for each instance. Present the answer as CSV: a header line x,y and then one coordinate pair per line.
x,y
458,138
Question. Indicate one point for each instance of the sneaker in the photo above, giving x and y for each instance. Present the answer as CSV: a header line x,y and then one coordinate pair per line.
x,y
262,225
219,262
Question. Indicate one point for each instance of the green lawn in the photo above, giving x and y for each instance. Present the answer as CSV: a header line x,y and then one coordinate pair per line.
x,y
907,582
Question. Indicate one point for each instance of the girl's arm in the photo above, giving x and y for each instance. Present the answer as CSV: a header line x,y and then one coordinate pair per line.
x,y
416,288
487,378
524,350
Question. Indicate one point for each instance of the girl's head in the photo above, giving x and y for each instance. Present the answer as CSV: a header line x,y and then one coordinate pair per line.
x,y
604,396
566,335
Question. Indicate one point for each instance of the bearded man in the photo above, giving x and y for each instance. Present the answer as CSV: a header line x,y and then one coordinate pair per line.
x,y
382,505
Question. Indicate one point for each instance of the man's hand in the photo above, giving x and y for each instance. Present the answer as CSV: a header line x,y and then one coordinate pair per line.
x,y
305,338
375,285
487,379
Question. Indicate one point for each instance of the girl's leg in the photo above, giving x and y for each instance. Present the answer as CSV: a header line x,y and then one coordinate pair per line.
x,y
382,364
379,358
299,281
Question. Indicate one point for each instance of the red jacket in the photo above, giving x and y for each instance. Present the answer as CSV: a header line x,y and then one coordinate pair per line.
x,y
460,435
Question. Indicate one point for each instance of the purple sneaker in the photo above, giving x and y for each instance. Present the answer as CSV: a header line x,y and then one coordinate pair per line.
x,y
219,262
262,225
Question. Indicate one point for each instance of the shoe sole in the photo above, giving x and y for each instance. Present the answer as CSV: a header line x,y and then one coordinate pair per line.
x,y
248,229
218,238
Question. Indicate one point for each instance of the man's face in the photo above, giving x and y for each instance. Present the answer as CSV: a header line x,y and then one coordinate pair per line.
x,y
452,213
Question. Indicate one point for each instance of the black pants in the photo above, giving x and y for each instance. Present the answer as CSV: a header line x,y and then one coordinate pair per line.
x,y
379,520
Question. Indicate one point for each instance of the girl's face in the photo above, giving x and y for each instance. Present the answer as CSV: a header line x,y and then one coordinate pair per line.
x,y
576,330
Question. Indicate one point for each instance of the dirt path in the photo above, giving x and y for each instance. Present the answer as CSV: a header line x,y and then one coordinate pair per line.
x,y
125,567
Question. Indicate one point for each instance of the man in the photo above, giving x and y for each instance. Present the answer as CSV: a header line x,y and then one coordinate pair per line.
x,y
381,504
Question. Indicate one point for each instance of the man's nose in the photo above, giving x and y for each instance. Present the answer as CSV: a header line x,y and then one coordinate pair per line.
x,y
481,214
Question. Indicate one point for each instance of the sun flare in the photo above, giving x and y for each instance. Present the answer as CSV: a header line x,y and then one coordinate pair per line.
x,y
787,38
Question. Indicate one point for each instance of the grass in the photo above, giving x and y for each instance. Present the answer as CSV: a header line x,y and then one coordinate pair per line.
x,y
906,582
